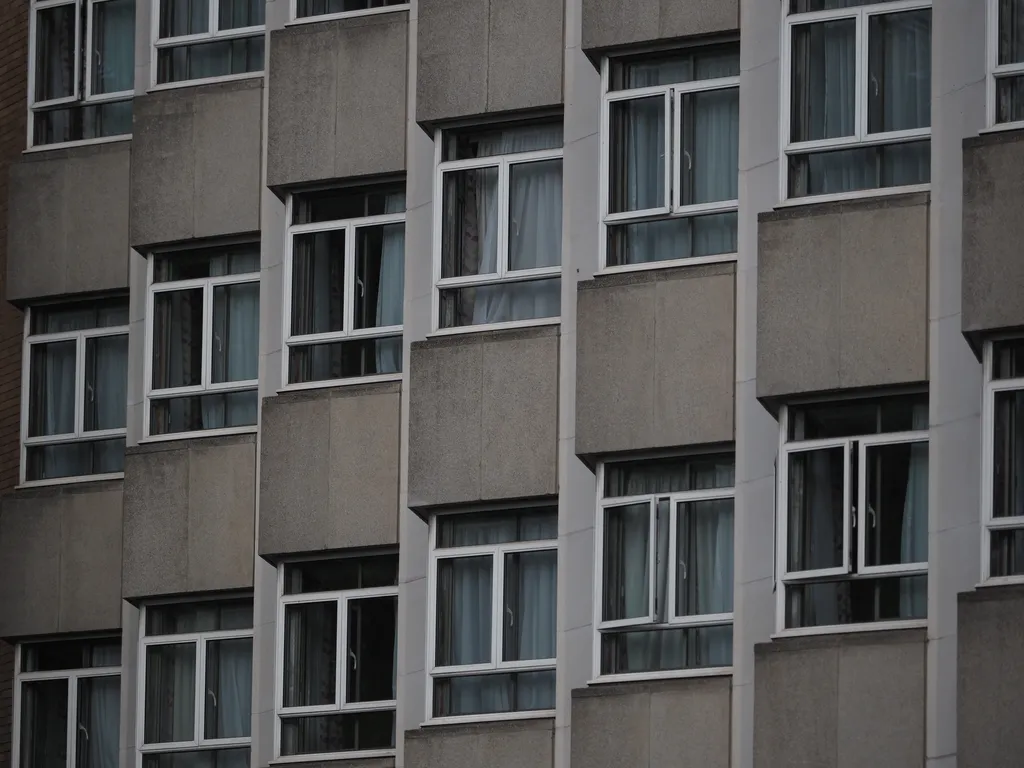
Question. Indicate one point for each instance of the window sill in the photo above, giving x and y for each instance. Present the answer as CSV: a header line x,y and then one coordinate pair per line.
x,y
843,629
1003,127
222,432
839,197
674,674
998,581
76,480
204,81
723,258
493,717
494,327
332,756
333,383
349,15
73,144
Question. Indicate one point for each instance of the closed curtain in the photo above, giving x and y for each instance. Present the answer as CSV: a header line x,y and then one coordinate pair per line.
x,y
99,715
229,693
712,161
531,617
310,637
914,535
391,286
44,724
53,401
170,693
107,394
113,46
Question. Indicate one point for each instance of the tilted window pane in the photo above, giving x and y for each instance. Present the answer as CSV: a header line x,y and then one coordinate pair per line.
x,y
210,616
380,276
209,758
53,655
678,473
52,388
658,650
709,161
704,63
858,601
464,590
206,262
823,80
637,161
236,326
501,140
1009,99
310,651
82,121
77,459
184,17
236,14
851,170
318,282
321,7
216,59
178,338
1011,31
340,574
98,726
113,46
676,238
170,695
197,412
344,359
372,649
704,557
896,517
228,692
535,215
899,71
323,734
347,203
56,54
816,521
106,382
501,303
44,724
469,226
1006,553
467,530
1008,454
626,562
484,694
867,416
530,597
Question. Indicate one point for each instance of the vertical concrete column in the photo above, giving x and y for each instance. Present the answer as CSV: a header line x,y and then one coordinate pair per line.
x,y
129,683
137,287
958,110
143,44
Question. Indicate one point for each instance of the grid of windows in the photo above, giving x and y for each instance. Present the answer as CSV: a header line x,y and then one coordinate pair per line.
x,y
200,39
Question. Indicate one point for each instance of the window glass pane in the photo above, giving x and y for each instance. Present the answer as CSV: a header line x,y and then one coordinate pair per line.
x,y
1011,31
344,359
659,650
178,338
469,226
184,17
198,412
340,574
1007,553
113,46
44,724
56,54
899,71
1008,454
850,170
210,758
347,203
501,140
99,722
310,651
676,238
897,499
816,523
678,473
507,302
372,647
467,530
337,733
531,586
83,121
206,262
224,57
170,693
52,388
1008,359
236,326
868,416
380,276
857,601
320,7
106,382
78,459
535,215
637,154
318,282
1010,99
236,14
709,161
53,655
704,557
626,563
484,694
823,80
674,67
463,610
228,688
211,616
57,318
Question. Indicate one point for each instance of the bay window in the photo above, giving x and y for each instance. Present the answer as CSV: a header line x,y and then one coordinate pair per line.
x,y
498,226
492,626
346,266
305,9
336,672
81,70
201,39
202,325
1006,63
75,400
665,566
857,110
853,512
670,131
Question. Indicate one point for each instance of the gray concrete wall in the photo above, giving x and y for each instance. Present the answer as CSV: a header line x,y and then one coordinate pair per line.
x,y
655,724
336,92
513,744
654,359
478,57
842,296
60,559
329,469
67,221
196,162
993,230
189,510
483,417
841,701
608,23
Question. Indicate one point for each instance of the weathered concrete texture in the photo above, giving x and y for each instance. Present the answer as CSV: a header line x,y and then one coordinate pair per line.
x,y
60,559
990,677
337,92
608,23
68,221
196,162
189,512
840,701
842,296
649,725
654,365
993,230
329,469
483,417
512,744
478,57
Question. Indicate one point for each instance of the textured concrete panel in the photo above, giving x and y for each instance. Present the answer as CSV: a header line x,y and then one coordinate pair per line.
x,y
524,54
29,566
993,230
608,23
690,723
90,563
514,744
56,199
654,364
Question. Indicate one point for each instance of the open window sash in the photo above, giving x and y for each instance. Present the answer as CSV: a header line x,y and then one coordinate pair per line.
x,y
682,154
615,175
652,535
678,500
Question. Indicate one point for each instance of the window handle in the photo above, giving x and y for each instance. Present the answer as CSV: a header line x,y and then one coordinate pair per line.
x,y
511,616
874,81
872,517
355,659
213,696
689,159
90,390
362,288
682,564
84,730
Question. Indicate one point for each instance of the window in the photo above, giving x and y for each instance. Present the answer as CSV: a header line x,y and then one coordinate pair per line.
x,y
499,225
494,583
665,533
1006,62
75,406
82,70
69,704
853,512
1003,480
346,262
199,39
197,685
858,85
203,337
671,154
338,640
302,9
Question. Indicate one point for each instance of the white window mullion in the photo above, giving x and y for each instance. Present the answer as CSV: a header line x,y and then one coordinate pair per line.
x,y
200,713
80,385
78,53
669,140
503,255
207,363
349,287
72,734
676,200
212,25
652,556
673,558
497,606
87,52
339,650
861,76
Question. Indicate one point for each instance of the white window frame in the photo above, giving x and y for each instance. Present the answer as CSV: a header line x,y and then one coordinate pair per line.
x,y
207,386
349,332
861,136
995,70
83,90
341,598
294,18
672,208
199,640
79,435
497,553
672,620
853,497
72,676
503,275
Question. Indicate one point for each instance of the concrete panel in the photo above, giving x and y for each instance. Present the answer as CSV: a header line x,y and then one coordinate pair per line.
x,y
30,566
524,54
90,562
654,364
514,744
993,229
337,93
56,200
482,417
825,318
608,23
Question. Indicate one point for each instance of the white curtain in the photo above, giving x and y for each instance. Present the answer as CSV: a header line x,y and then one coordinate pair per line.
x,y
391,286
914,540
53,403
107,398
113,46
464,637
99,719
231,696
530,621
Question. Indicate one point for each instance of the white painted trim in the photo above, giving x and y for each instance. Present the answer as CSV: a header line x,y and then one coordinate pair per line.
x,y
332,756
296,19
674,674
331,383
199,81
842,629
460,329
71,480
532,714
71,144
995,71
839,197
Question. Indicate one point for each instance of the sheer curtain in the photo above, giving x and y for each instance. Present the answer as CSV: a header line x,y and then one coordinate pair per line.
x,y
99,715
230,692
107,393
53,396
391,286
309,671
914,540
113,46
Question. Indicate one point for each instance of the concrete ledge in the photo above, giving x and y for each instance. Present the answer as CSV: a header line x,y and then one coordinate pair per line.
x,y
597,690
873,203
479,337
158,446
841,640
527,743
373,762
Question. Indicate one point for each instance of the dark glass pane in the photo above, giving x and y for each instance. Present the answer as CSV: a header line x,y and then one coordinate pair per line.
x,y
98,722
467,530
170,693
228,688
816,523
310,653
823,80
44,724
178,338
859,601
637,161
899,71
464,590
113,46
850,170
683,66
198,263
209,758
201,60
57,318
343,573
809,6
675,238
501,140
678,473
82,121
78,459
210,616
666,649
344,359
469,226
198,412
54,655
337,733
56,58
1008,454
1008,359
52,388
372,647
1011,32
236,14
530,601
1010,99
704,557
869,416
380,276
235,336
106,382
626,591
896,518
184,17
318,282
501,303
1007,553
347,203
486,694
709,161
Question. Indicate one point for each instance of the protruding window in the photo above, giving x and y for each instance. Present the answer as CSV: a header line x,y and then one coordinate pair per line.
x,y
205,39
